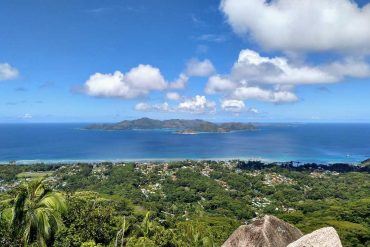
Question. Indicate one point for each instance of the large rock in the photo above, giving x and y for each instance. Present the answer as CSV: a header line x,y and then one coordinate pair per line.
x,y
266,232
324,237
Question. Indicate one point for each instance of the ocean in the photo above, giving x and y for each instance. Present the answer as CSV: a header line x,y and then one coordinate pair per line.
x,y
323,143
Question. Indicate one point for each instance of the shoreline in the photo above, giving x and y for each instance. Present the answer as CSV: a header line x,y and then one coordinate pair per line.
x,y
97,161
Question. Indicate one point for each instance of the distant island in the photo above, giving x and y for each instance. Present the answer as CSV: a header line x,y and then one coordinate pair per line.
x,y
180,125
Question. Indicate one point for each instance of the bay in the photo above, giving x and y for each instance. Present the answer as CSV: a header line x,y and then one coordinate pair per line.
x,y
324,143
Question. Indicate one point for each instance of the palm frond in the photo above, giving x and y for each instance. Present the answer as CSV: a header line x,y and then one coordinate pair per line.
x,y
36,214
54,201
18,210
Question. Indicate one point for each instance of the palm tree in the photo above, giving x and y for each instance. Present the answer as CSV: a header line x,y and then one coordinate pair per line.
x,y
37,213
122,232
194,234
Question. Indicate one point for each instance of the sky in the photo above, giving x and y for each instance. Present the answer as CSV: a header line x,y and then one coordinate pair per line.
x,y
228,60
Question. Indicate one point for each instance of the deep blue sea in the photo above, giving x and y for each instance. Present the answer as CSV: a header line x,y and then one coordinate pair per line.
x,y
280,142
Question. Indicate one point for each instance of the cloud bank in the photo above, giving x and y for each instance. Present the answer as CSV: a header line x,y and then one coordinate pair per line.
x,y
291,25
196,105
245,93
273,79
253,67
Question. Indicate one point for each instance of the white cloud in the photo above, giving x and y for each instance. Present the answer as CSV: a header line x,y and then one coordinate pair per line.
x,y
245,93
277,70
180,82
351,67
251,70
212,38
254,68
7,72
200,68
138,81
173,96
291,25
142,107
273,79
26,116
198,104
232,105
218,84
164,107
254,110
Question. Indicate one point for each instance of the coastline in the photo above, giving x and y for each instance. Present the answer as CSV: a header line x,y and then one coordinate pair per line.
x,y
308,143
160,160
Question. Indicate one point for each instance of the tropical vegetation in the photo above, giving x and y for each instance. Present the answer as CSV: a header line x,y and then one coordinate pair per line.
x,y
185,203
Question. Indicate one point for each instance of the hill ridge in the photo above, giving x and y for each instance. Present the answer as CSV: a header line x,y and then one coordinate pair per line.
x,y
182,126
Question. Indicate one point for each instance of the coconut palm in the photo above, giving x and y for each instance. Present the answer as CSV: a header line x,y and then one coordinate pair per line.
x,y
121,233
37,213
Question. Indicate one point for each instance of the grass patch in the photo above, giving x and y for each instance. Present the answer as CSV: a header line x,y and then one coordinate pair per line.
x,y
34,174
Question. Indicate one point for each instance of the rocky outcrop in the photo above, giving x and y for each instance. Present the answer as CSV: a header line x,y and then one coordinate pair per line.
x,y
324,237
268,231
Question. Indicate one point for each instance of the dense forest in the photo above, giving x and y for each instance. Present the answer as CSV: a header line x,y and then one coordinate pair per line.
x,y
185,203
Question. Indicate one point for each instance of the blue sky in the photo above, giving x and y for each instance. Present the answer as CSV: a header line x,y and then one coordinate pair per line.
x,y
104,61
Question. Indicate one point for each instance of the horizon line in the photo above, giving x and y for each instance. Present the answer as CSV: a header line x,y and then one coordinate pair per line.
x,y
253,122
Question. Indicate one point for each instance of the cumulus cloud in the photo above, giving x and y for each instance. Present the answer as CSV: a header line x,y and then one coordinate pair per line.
x,y
290,25
232,105
173,96
180,83
142,106
294,27
351,67
253,67
198,104
251,70
217,84
200,68
138,81
7,72
164,107
245,93
273,79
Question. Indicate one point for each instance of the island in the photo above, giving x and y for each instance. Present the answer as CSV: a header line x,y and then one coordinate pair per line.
x,y
186,132
181,126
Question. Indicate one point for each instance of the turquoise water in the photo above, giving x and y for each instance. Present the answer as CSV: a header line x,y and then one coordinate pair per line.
x,y
286,142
